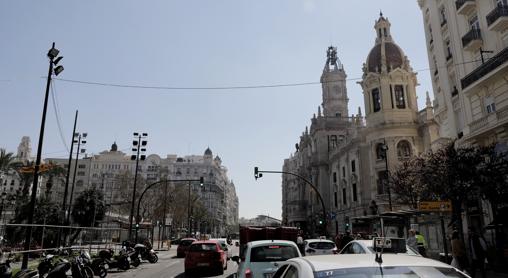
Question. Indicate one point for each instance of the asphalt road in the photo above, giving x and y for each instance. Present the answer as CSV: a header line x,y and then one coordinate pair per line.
x,y
168,266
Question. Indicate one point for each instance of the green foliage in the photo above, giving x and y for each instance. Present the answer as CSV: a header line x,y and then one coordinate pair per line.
x,y
88,207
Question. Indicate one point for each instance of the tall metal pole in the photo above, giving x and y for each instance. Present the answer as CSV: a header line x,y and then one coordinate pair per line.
x,y
164,213
189,213
388,177
74,179
66,191
134,189
31,210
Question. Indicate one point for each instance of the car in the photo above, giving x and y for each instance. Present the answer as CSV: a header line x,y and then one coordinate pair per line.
x,y
262,258
184,246
367,247
366,266
205,255
319,247
224,245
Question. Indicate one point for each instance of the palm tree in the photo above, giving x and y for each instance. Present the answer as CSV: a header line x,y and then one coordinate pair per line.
x,y
6,160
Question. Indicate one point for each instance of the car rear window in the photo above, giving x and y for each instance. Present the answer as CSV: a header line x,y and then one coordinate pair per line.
x,y
203,247
391,271
272,253
186,242
322,245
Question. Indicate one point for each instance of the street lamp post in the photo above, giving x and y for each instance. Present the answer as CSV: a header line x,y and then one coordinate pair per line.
x,y
259,173
384,147
138,217
53,61
138,146
78,151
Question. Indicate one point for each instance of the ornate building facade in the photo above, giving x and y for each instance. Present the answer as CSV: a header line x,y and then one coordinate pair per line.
x,y
347,157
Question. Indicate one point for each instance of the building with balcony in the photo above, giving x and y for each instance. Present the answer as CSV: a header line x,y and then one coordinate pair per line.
x,y
471,91
347,158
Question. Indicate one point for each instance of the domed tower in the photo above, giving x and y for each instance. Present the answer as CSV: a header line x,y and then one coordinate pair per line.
x,y
333,82
208,156
388,81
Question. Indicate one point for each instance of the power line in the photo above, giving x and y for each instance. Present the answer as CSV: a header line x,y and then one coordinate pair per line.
x,y
57,115
261,86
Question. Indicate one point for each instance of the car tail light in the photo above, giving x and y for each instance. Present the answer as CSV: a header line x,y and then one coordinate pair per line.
x,y
248,273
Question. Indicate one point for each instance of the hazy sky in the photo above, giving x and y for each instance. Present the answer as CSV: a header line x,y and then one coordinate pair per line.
x,y
191,43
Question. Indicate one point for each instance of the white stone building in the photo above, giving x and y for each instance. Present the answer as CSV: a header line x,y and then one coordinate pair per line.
x,y
343,156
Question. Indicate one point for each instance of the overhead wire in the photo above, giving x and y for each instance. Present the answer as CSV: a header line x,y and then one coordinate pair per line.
x,y
57,115
259,86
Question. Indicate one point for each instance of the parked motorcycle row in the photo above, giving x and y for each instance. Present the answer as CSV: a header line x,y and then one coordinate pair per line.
x,y
81,265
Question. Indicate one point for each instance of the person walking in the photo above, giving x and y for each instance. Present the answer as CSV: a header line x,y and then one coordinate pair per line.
x,y
478,251
421,244
346,239
458,252
411,239
300,243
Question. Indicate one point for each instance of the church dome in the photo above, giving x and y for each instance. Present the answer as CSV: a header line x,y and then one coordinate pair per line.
x,y
114,147
208,151
394,57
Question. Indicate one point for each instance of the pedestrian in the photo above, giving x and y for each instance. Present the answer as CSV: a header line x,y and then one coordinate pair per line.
x,y
478,251
300,242
421,244
338,239
346,239
459,255
411,239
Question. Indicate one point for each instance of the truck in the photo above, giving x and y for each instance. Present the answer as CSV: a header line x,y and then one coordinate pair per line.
x,y
253,233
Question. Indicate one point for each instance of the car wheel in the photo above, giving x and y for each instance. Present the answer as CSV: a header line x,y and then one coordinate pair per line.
x,y
220,271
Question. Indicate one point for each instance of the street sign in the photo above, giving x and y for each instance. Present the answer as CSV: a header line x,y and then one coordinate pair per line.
x,y
438,206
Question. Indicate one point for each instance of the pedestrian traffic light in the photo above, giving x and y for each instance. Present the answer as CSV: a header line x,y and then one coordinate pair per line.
x,y
201,181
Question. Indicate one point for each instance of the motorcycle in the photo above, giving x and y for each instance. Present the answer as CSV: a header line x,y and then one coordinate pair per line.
x,y
6,270
108,260
101,270
133,255
146,253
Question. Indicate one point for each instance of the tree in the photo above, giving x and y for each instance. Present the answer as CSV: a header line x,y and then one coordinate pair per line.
x,y
6,160
55,173
406,182
88,209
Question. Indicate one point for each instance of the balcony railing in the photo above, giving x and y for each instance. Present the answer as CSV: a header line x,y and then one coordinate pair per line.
x,y
500,12
464,6
474,35
487,67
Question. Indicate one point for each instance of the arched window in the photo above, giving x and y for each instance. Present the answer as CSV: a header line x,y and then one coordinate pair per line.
x,y
380,152
376,100
403,149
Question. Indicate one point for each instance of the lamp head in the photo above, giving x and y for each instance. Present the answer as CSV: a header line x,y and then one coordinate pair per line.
x,y
53,52
58,70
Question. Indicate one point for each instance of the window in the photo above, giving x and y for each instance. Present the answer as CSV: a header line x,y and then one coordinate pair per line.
x,y
382,178
292,272
474,23
442,15
353,166
501,3
344,197
273,253
343,171
81,173
335,198
333,141
399,97
430,35
334,177
380,152
376,100
490,105
355,197
448,50
403,149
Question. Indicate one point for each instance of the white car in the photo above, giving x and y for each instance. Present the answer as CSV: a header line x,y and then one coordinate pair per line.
x,y
366,266
319,247
262,258
224,245
367,247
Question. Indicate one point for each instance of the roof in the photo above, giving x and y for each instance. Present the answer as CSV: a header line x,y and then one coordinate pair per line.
x,y
270,242
188,238
318,240
394,57
325,262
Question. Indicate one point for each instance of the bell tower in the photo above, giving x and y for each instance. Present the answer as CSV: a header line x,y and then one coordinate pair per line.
x,y
333,83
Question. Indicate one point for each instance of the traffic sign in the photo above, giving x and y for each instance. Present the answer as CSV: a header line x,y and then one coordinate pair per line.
x,y
438,206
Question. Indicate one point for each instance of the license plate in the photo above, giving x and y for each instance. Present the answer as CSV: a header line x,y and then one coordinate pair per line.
x,y
203,264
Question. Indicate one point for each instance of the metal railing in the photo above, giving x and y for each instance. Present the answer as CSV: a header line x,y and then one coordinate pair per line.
x,y
498,12
473,34
491,64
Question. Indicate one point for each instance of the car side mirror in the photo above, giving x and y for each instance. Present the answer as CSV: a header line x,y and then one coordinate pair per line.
x,y
235,259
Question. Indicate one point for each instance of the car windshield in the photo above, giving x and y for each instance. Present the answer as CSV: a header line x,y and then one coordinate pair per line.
x,y
202,247
409,250
186,242
272,253
322,245
392,272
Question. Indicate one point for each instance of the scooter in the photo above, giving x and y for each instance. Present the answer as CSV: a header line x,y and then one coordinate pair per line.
x,y
108,260
146,253
6,270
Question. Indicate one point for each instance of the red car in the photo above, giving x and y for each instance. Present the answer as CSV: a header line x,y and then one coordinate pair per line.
x,y
206,255
184,246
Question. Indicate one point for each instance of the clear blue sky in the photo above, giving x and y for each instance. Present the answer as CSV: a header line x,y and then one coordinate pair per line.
x,y
191,43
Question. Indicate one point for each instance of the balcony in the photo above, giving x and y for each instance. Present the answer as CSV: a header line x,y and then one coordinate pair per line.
x,y
465,7
472,40
497,20
487,67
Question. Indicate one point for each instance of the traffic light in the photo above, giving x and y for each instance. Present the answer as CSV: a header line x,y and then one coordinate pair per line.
x,y
257,174
320,222
347,226
201,181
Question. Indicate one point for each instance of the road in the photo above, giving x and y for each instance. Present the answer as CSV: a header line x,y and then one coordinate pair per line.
x,y
168,266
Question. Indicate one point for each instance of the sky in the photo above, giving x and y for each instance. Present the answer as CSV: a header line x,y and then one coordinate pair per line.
x,y
191,43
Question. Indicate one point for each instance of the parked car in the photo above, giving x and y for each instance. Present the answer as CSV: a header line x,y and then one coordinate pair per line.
x,y
206,255
367,247
366,266
314,247
184,246
262,258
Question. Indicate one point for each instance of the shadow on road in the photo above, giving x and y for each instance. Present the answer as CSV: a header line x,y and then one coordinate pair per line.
x,y
182,275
